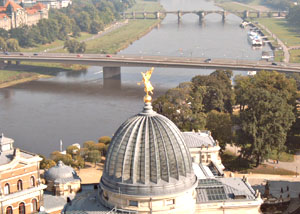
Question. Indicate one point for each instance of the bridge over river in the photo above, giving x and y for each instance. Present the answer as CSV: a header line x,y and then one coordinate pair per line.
x,y
202,13
112,63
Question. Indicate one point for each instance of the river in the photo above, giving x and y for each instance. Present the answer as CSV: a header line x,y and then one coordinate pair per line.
x,y
75,108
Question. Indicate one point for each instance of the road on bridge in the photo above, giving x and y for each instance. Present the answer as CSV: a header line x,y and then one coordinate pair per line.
x,y
151,61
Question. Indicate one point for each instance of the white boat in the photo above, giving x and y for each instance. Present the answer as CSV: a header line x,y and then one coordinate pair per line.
x,y
251,73
255,39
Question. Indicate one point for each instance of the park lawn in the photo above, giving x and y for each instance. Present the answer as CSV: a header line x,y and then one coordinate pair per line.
x,y
272,170
235,163
56,43
232,6
295,56
149,6
280,28
122,37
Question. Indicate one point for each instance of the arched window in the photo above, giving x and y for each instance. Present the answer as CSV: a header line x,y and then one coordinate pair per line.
x,y
32,181
22,208
34,205
20,185
6,189
9,210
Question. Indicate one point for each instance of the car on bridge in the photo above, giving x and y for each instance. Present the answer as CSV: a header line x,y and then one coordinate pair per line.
x,y
207,60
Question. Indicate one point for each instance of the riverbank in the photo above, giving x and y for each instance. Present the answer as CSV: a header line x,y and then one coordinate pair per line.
x,y
15,74
284,38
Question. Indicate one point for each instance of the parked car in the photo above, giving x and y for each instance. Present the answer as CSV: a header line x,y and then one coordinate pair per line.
x,y
108,55
21,54
79,55
207,60
35,54
6,53
274,63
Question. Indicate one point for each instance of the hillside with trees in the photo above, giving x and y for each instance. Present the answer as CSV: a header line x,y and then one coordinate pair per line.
x,y
82,16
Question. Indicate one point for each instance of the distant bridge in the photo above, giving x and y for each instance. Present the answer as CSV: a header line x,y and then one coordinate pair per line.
x,y
112,63
201,14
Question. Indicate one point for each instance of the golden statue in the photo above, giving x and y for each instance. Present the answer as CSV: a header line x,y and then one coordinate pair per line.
x,y
148,87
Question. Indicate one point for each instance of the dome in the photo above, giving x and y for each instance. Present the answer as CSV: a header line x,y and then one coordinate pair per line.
x,y
148,156
61,173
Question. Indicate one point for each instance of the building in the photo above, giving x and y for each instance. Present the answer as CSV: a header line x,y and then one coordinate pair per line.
x,y
20,188
204,150
62,180
12,15
149,169
55,4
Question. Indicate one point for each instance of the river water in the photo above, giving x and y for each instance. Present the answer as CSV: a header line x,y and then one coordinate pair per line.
x,y
75,108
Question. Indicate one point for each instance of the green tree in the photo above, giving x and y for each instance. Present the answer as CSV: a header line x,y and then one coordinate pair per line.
x,y
94,156
177,104
73,150
65,158
215,91
83,21
3,46
46,163
90,145
74,46
104,139
267,113
12,45
220,125
96,26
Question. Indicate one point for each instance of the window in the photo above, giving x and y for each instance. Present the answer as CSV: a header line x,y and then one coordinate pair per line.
x,y
20,185
9,210
170,202
32,181
133,203
34,205
6,189
22,208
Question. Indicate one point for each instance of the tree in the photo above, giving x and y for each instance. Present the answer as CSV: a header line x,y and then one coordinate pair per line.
x,y
46,163
94,156
12,45
90,145
74,46
96,26
3,46
268,101
83,21
104,139
73,150
215,90
66,159
178,105
219,123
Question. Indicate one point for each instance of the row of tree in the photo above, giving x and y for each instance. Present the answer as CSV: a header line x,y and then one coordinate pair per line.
x,y
76,157
264,110
82,16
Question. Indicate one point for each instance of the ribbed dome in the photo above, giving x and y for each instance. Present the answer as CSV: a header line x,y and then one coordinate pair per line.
x,y
148,156
61,173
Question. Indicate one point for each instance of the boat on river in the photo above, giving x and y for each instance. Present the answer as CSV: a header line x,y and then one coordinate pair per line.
x,y
254,38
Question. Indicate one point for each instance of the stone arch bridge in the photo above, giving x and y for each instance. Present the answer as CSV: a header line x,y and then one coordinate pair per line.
x,y
201,14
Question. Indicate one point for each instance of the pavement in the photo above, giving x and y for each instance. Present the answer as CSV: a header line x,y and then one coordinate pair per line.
x,y
292,166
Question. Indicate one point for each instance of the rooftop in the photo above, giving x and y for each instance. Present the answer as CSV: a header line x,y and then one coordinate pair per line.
x,y
199,139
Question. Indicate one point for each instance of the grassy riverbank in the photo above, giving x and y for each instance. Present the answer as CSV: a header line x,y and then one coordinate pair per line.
x,y
27,71
279,27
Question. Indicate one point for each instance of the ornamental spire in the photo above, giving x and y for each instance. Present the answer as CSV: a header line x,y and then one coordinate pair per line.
x,y
148,87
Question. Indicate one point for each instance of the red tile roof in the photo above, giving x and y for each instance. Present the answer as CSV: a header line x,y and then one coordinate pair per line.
x,y
3,15
14,5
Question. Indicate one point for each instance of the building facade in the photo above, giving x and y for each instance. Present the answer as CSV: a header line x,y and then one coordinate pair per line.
x,y
21,191
12,15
